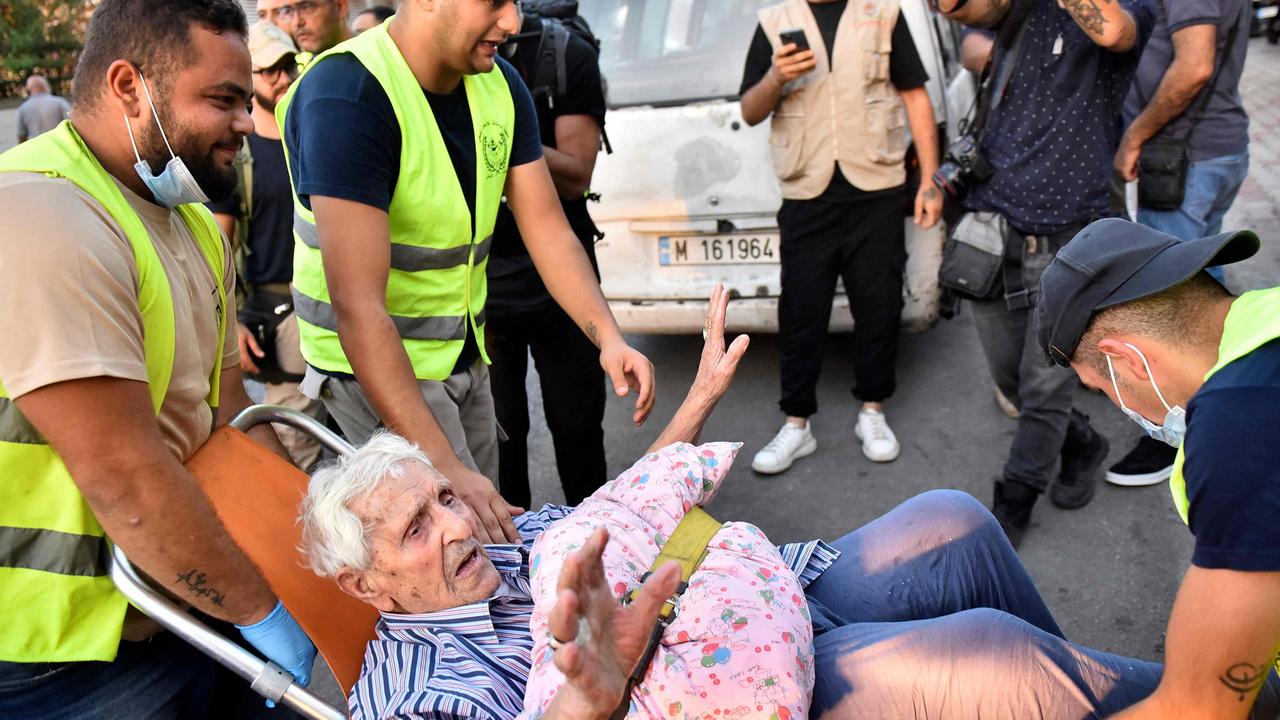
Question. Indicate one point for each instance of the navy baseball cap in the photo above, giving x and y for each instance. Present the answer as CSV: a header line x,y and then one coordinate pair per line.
x,y
1115,261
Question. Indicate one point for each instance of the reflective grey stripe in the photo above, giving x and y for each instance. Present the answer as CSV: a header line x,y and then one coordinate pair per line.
x,y
406,258
14,426
306,231
53,551
321,314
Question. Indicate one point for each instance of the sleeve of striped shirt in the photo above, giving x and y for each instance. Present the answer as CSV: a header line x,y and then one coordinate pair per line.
x,y
808,560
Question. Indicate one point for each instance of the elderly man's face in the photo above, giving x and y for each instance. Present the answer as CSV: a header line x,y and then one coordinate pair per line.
x,y
424,555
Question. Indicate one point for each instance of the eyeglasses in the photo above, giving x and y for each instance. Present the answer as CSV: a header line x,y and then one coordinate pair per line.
x,y
273,73
288,12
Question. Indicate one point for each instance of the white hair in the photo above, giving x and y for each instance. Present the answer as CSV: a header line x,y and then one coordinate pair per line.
x,y
333,536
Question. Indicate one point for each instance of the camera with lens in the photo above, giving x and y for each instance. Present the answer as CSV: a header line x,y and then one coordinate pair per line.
x,y
963,167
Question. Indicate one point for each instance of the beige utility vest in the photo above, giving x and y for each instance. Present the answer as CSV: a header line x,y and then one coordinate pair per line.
x,y
846,111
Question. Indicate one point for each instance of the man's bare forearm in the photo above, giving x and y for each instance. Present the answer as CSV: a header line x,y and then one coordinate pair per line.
x,y
571,176
1181,83
1105,22
143,498
761,100
924,129
377,355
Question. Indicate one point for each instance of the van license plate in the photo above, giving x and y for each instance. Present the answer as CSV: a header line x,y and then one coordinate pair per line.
x,y
718,250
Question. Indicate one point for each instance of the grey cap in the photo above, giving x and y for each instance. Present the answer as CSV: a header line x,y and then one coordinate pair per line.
x,y
1115,261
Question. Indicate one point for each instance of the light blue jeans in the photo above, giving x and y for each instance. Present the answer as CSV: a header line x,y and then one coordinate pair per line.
x,y
1211,188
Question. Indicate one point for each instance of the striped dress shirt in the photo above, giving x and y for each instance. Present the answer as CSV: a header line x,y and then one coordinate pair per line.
x,y
473,661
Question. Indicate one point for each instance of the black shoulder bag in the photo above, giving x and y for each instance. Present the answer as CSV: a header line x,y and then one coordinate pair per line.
x,y
974,253
1163,162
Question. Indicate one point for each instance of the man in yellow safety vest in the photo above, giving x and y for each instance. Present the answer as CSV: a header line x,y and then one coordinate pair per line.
x,y
1134,313
401,143
119,357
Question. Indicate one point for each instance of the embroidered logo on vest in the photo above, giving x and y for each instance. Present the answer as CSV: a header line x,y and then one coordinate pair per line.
x,y
496,143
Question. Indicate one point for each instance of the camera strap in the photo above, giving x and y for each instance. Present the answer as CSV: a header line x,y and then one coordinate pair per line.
x,y
992,85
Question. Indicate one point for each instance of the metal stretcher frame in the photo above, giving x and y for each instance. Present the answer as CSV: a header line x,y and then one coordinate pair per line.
x,y
265,678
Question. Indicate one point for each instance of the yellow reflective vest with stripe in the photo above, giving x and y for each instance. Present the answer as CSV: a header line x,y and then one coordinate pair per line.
x,y
57,601
436,287
1253,321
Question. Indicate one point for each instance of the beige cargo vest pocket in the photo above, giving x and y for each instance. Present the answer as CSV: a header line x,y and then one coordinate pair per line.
x,y
786,141
886,131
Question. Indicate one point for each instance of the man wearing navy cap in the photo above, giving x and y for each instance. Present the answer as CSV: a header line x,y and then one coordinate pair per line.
x,y
1135,314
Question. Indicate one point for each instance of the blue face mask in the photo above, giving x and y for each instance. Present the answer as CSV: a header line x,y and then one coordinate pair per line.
x,y
1174,428
174,186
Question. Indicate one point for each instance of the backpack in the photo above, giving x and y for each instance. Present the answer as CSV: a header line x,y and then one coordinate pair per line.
x,y
559,19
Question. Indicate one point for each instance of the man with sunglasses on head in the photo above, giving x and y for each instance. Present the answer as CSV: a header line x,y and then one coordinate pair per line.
x,y
401,143
258,216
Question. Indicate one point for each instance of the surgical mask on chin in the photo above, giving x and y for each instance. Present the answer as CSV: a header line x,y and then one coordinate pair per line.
x,y
1174,429
174,186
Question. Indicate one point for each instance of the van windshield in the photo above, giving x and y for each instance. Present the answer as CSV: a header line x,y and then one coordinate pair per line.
x,y
670,52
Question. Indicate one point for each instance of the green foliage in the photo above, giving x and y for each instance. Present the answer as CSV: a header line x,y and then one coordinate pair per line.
x,y
42,36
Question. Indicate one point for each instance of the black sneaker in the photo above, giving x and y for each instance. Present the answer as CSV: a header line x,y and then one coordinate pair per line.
x,y
1150,462
1078,478
1012,508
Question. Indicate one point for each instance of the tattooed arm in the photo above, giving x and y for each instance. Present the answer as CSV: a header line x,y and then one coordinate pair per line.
x,y
1222,640
1105,22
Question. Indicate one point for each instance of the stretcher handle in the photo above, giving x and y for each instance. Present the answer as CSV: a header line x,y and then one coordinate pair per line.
x,y
258,414
268,679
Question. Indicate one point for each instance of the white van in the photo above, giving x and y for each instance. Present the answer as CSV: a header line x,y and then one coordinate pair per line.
x,y
688,196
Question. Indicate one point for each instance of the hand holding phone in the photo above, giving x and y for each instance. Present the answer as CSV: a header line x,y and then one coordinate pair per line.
x,y
795,37
790,63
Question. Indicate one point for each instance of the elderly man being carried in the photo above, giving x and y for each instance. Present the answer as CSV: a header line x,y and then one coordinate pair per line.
x,y
925,608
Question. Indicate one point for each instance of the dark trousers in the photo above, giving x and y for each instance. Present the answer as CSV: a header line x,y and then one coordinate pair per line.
x,y
863,243
1042,392
573,394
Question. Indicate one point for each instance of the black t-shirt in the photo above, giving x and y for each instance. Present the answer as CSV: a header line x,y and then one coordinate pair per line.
x,y
905,72
269,255
1233,464
514,282
344,139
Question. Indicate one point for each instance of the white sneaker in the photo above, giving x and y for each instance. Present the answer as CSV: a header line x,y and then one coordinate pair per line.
x,y
790,444
878,442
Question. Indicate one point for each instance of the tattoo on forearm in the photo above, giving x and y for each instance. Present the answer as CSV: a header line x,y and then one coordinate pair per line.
x,y
591,332
1243,678
1087,14
196,584
931,194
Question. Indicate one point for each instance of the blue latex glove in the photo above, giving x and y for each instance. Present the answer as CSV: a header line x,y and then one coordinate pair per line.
x,y
281,639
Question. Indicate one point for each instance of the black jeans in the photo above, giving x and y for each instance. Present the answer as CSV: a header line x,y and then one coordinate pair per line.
x,y
865,244
573,395
1042,392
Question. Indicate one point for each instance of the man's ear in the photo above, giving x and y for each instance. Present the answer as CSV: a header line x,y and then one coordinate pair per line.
x,y
1126,361
124,89
360,586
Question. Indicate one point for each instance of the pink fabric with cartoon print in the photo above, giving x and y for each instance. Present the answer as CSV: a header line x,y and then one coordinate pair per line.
x,y
741,645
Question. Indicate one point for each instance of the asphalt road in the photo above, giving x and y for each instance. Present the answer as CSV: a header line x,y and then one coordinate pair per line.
x,y
1109,571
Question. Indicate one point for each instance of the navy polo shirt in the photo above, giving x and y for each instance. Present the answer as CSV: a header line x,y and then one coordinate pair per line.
x,y
1053,137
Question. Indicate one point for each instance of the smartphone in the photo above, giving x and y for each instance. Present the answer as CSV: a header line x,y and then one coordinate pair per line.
x,y
796,36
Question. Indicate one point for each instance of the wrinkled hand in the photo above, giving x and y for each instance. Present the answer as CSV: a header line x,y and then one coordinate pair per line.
x,y
1126,160
596,668
789,64
248,349
928,204
628,368
490,514
717,367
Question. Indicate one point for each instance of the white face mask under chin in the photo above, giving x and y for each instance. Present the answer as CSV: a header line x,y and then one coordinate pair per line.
x,y
175,185
1174,429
